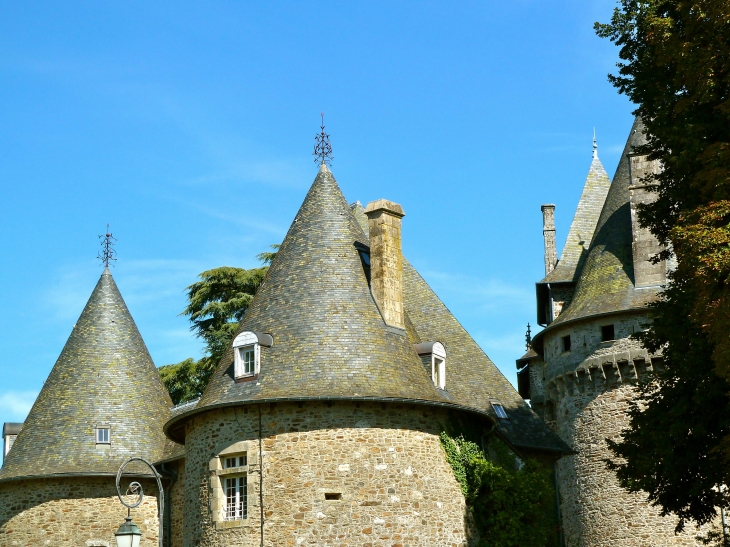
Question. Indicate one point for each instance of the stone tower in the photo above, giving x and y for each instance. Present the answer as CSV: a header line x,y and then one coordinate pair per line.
x,y
102,403
321,423
582,367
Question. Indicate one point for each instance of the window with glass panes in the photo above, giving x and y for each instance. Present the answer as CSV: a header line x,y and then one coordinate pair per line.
x,y
102,435
235,461
247,355
236,494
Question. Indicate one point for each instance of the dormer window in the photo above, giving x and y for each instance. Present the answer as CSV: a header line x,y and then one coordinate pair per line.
x,y
247,353
10,433
433,357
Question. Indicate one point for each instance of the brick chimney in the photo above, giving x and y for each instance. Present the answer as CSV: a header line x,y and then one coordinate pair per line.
x,y
548,233
386,259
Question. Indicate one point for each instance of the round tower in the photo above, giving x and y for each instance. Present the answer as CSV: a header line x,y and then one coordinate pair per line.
x,y
585,365
321,424
102,403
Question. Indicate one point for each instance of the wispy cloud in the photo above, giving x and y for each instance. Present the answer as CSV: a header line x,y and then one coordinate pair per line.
x,y
486,293
15,405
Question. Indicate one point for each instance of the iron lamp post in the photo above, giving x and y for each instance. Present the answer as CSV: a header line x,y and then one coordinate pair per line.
x,y
128,534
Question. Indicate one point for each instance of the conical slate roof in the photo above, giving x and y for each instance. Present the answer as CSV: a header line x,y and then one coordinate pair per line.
x,y
330,340
103,377
583,226
606,282
473,380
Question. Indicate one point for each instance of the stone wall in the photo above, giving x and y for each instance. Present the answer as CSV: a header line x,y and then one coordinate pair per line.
x,y
383,461
176,499
588,390
70,512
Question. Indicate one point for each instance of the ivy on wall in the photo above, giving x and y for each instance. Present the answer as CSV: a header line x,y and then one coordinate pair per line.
x,y
512,503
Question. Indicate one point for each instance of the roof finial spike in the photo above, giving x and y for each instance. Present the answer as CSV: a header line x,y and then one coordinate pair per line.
x,y
107,254
595,145
322,147
528,338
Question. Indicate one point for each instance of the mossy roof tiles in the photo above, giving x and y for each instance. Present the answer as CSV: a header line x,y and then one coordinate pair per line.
x,y
103,377
330,340
606,280
472,379
583,226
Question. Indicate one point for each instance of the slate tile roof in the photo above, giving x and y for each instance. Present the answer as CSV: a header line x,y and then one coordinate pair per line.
x,y
606,281
583,226
330,340
104,376
329,337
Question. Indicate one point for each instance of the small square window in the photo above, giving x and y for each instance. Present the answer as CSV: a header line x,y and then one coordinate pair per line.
x,y
499,411
566,343
102,435
607,333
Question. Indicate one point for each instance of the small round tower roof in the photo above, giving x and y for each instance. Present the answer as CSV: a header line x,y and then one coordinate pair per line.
x,y
104,377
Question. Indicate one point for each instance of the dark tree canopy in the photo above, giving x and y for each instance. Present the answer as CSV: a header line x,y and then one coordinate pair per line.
x,y
675,66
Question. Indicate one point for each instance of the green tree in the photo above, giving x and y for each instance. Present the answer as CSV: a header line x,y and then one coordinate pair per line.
x,y
512,504
216,305
675,66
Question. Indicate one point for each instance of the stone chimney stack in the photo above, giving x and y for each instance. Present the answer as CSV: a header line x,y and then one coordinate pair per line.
x,y
645,245
386,259
548,233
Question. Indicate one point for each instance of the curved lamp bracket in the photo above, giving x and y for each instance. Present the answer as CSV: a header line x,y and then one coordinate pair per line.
x,y
135,489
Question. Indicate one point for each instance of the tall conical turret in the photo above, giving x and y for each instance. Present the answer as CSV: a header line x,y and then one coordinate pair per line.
x,y
329,338
606,281
584,223
104,379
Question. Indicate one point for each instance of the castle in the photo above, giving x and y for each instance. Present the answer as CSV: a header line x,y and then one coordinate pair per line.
x,y
580,370
321,424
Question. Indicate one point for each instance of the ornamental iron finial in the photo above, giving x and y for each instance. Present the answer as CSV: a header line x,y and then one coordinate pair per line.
x,y
528,338
595,144
322,147
107,253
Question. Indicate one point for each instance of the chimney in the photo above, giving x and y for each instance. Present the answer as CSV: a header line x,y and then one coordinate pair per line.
x,y
644,244
548,233
386,259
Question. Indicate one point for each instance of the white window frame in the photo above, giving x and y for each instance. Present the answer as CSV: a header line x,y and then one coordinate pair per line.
x,y
103,435
438,365
242,342
235,491
9,441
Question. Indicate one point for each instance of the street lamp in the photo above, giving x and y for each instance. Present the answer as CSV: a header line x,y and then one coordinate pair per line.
x,y
128,534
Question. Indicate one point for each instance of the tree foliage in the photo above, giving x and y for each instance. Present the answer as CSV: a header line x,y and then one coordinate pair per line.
x,y
510,506
675,66
216,305
678,419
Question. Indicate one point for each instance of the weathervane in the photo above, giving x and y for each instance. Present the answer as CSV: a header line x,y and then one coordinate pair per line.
x,y
107,254
322,147
595,144
528,338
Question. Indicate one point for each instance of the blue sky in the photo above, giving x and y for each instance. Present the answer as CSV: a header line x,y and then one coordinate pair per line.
x,y
188,126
